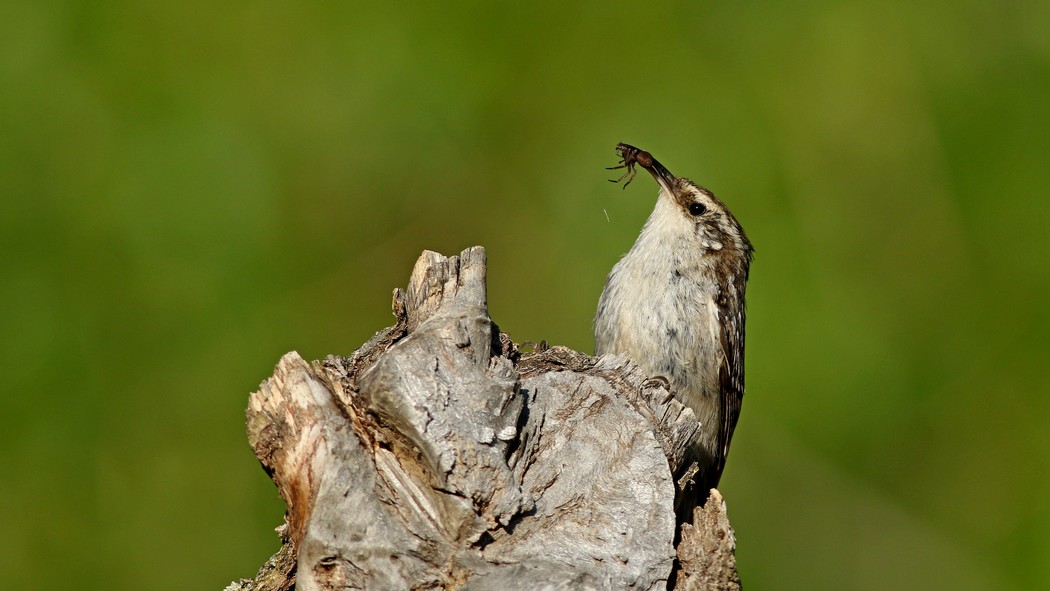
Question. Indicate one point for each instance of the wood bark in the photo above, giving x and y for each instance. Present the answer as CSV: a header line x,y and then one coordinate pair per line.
x,y
440,455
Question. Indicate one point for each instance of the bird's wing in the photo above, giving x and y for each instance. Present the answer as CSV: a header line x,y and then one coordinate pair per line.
x,y
730,370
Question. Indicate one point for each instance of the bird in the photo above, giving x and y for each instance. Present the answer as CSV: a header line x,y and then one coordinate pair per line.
x,y
674,305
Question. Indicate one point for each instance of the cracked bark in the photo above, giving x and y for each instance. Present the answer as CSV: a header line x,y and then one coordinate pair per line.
x,y
441,456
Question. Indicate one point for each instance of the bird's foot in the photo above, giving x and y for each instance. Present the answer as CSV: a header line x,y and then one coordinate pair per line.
x,y
659,382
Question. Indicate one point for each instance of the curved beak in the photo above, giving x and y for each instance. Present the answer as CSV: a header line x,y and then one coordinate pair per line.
x,y
661,174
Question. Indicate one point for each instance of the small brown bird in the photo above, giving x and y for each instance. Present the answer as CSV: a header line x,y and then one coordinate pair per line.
x,y
674,305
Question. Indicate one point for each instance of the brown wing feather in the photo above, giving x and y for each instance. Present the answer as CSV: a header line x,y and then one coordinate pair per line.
x,y
730,370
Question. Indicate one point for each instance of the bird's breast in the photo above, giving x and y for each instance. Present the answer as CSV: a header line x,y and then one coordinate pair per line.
x,y
660,312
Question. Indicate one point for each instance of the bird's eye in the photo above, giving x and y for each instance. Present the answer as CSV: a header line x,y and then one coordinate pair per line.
x,y
697,208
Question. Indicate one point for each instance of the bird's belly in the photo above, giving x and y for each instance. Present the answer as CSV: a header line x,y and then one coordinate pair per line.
x,y
677,338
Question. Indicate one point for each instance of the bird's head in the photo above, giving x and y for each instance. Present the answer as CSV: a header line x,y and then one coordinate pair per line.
x,y
687,209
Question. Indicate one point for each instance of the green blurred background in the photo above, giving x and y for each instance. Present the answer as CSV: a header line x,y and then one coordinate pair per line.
x,y
191,189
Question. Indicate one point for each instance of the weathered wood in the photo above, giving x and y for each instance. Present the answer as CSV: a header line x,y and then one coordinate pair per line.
x,y
707,550
438,456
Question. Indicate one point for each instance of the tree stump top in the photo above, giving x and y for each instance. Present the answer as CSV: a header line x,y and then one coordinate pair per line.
x,y
440,456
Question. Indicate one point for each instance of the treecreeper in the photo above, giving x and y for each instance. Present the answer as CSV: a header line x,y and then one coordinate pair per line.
x,y
674,305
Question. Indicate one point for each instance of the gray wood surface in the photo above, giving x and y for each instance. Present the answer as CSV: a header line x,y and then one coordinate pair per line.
x,y
441,456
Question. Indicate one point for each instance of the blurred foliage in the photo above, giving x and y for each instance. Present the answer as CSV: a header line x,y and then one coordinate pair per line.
x,y
191,189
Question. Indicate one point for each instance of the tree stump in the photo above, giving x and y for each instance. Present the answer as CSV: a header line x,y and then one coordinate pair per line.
x,y
441,456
